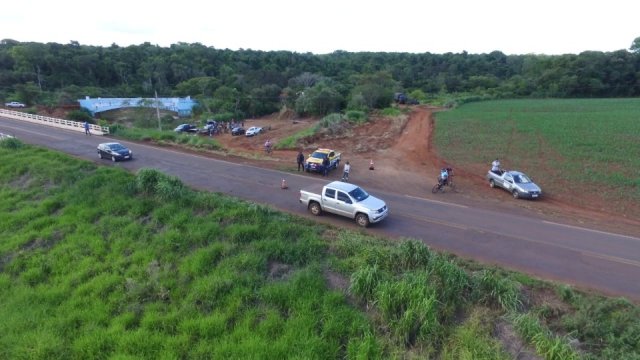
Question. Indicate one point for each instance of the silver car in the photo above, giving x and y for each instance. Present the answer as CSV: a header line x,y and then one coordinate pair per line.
x,y
515,182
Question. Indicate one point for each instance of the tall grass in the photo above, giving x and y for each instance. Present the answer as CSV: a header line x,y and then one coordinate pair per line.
x,y
472,339
291,141
96,262
550,346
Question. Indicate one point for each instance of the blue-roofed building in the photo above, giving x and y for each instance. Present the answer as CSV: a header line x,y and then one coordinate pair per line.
x,y
182,106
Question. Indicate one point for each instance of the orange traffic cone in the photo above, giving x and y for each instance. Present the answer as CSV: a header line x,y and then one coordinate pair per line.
x,y
371,165
284,186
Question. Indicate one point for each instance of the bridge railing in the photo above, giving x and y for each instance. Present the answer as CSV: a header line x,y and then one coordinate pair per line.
x,y
50,121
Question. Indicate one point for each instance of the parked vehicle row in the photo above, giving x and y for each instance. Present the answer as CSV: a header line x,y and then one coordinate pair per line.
x,y
238,130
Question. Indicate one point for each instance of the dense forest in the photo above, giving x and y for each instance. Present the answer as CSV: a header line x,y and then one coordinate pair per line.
x,y
252,83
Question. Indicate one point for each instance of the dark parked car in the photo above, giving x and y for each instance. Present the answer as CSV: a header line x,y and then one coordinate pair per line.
x,y
114,151
237,131
188,128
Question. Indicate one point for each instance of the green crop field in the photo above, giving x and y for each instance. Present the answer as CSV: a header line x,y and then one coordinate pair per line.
x,y
98,263
592,144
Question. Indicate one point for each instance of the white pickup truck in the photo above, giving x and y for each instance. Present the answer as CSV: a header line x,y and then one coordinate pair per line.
x,y
344,199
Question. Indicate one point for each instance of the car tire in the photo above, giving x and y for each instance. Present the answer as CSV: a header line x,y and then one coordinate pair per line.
x,y
315,208
362,220
492,183
99,154
113,158
515,194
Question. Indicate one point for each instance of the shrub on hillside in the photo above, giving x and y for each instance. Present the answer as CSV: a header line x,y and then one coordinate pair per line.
x,y
356,116
79,115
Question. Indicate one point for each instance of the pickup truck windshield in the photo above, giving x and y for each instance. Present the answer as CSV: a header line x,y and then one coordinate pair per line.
x,y
319,155
358,194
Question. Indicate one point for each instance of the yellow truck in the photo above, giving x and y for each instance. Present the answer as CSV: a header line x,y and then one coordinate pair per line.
x,y
314,161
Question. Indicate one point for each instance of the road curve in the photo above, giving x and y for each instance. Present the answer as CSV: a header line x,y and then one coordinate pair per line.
x,y
587,258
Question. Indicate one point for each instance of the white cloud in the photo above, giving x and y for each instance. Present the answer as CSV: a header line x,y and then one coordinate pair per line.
x,y
513,27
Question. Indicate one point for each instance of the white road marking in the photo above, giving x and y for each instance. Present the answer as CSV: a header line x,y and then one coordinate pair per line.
x,y
592,230
437,202
586,253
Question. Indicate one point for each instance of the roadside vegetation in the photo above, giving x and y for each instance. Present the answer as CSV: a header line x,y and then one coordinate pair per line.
x,y
96,262
569,145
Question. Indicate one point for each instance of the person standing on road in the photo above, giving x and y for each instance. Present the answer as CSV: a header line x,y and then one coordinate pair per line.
x,y
325,166
345,172
86,128
300,160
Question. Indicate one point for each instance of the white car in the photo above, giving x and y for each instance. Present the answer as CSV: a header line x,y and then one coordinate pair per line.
x,y
14,104
254,130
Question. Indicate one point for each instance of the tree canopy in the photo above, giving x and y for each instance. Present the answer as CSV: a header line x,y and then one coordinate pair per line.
x,y
252,83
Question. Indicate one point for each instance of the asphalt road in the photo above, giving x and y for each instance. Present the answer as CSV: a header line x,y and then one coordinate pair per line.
x,y
587,258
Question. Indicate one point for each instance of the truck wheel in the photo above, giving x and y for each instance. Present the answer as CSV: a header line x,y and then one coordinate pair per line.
x,y
492,183
362,220
515,194
315,208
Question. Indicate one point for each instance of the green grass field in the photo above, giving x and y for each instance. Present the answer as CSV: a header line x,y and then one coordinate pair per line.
x,y
593,144
98,263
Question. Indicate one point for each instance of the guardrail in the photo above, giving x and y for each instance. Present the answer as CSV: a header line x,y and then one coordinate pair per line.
x,y
49,121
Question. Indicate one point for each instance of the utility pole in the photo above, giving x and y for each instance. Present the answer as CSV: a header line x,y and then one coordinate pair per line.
x,y
158,111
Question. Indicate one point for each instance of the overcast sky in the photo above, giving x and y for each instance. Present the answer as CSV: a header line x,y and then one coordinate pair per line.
x,y
477,26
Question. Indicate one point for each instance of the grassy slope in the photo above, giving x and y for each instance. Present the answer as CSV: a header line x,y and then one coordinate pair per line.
x,y
592,143
99,263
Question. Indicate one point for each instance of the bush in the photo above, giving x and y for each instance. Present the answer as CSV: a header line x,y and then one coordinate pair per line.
x,y
10,143
79,115
224,117
391,112
356,116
